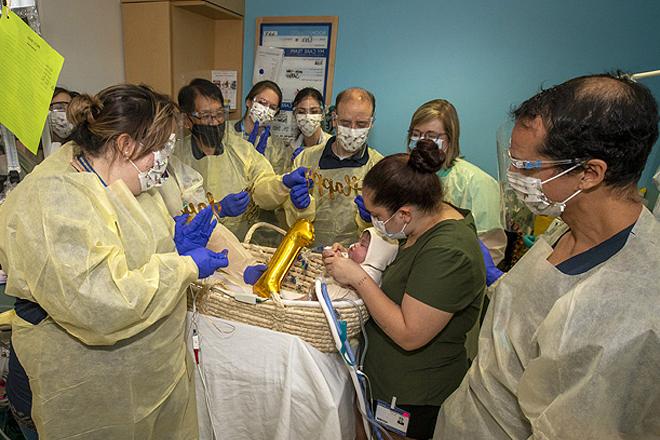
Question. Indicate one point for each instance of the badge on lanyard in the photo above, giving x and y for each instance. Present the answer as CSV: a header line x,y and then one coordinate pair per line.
x,y
393,418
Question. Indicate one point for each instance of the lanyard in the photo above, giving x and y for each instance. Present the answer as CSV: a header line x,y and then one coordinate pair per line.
x,y
88,167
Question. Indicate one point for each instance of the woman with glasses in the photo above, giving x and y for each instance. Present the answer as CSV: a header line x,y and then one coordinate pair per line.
x,y
466,186
262,105
309,112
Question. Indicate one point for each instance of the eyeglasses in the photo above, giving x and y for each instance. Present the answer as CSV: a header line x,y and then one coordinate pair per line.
x,y
430,135
535,164
59,106
219,116
308,111
267,104
347,123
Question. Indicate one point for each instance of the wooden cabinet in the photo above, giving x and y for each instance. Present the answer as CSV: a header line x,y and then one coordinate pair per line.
x,y
169,42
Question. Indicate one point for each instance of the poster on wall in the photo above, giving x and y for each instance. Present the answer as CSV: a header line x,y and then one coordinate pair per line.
x,y
308,45
227,80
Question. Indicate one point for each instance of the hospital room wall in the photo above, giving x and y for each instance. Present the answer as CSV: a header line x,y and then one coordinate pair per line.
x,y
483,56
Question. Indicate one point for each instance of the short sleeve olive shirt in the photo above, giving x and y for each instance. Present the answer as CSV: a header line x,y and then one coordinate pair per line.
x,y
444,269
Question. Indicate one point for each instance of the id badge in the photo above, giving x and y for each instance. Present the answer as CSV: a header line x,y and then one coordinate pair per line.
x,y
393,418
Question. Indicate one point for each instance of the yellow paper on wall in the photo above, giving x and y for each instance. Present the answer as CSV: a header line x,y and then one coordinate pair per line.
x,y
29,69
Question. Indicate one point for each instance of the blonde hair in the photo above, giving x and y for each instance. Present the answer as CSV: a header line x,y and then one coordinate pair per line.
x,y
445,112
146,116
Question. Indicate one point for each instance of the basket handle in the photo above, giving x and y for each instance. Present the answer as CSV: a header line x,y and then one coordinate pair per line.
x,y
253,229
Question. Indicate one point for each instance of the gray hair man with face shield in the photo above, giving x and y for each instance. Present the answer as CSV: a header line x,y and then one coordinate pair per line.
x,y
570,346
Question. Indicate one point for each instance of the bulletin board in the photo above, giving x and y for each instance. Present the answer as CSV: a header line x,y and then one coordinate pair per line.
x,y
309,45
307,58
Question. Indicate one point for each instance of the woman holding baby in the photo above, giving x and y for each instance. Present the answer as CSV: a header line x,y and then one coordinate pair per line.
x,y
430,294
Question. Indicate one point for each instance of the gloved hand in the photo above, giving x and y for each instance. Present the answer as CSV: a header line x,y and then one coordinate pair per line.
x,y
296,152
492,272
296,177
300,196
364,214
208,261
263,140
195,234
251,274
252,137
235,204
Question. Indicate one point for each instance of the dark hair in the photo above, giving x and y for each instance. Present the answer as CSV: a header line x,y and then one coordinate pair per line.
x,y
310,92
198,87
263,85
59,90
356,90
608,117
146,116
408,179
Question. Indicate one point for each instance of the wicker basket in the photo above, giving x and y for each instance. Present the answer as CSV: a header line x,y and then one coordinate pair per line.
x,y
304,319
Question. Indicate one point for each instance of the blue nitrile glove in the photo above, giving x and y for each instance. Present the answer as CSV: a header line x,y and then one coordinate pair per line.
x,y
235,204
296,152
364,214
251,274
492,272
208,261
263,140
252,137
195,234
295,177
300,196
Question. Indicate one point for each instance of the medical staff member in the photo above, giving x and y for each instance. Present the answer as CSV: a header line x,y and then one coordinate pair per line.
x,y
570,346
262,104
466,185
60,125
308,110
232,170
338,168
430,294
100,275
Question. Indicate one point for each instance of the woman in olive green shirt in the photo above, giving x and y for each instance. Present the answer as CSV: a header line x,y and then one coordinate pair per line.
x,y
430,295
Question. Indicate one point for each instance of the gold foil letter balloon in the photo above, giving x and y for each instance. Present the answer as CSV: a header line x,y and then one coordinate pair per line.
x,y
300,235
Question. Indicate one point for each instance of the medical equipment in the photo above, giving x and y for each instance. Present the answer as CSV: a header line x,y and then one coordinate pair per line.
x,y
359,379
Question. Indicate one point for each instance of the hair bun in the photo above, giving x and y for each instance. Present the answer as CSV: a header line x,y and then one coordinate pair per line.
x,y
84,109
426,157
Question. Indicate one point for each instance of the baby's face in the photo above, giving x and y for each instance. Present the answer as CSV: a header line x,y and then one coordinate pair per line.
x,y
358,251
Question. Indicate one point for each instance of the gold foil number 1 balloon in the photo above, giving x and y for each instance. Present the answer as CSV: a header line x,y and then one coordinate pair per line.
x,y
299,236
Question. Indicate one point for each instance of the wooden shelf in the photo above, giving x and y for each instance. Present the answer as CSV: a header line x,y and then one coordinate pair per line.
x,y
186,39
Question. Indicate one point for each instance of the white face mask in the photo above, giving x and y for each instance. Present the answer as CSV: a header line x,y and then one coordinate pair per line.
x,y
352,139
530,191
261,114
154,176
60,125
380,227
308,123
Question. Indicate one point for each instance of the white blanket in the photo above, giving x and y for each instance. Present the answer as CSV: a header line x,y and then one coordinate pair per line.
x,y
262,384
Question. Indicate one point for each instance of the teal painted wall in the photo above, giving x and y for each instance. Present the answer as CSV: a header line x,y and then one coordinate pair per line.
x,y
483,56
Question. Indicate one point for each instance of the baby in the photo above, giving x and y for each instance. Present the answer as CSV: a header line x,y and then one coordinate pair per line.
x,y
374,253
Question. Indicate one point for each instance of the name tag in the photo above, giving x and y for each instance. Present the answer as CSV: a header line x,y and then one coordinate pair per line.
x,y
393,418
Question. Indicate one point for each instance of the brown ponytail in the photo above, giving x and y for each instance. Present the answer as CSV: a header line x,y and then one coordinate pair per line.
x,y
146,116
